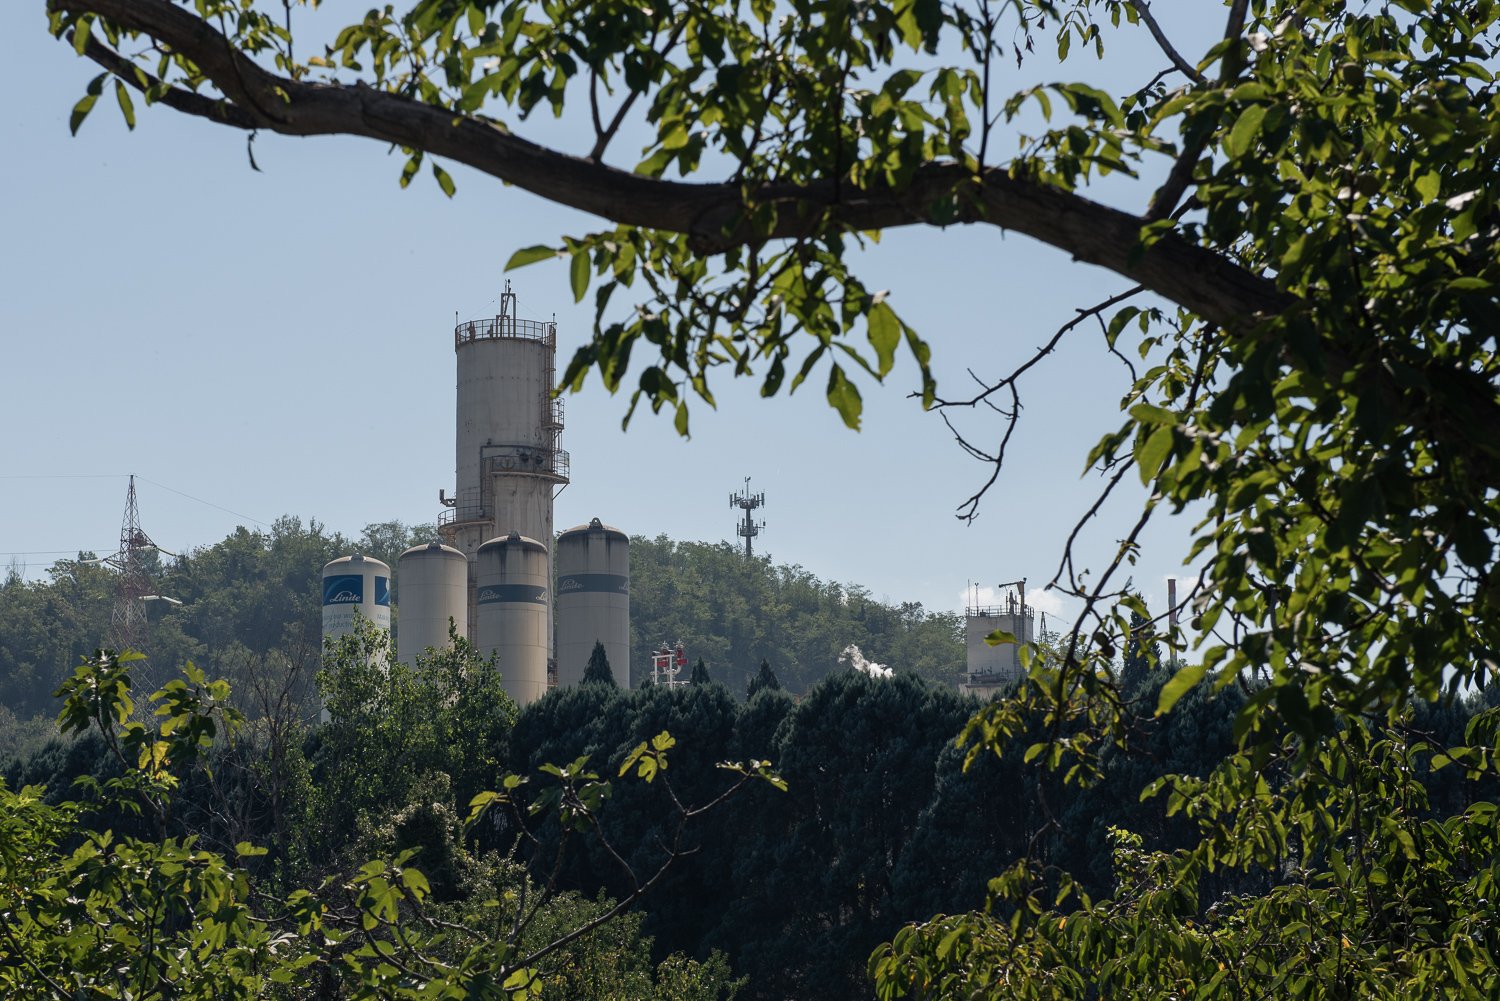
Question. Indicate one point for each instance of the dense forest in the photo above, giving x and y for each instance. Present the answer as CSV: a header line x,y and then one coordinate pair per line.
x,y
872,819
877,815
252,598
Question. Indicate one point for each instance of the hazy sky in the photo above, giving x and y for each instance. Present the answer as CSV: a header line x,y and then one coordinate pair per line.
x,y
258,344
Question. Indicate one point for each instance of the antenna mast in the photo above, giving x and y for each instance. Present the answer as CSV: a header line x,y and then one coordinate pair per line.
x,y
749,528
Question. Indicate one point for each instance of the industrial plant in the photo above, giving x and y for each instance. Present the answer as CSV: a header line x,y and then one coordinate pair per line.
x,y
994,668
536,600
493,578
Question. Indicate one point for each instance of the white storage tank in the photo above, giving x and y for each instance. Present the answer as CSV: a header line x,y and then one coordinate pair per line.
x,y
434,582
593,600
514,613
355,585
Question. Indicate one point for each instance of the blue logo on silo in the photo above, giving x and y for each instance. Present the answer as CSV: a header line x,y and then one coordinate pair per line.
x,y
382,590
344,589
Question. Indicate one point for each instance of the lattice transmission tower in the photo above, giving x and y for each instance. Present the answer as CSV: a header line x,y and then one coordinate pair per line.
x,y
129,628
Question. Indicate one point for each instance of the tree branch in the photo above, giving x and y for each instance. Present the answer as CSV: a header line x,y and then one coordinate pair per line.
x,y
1143,8
712,214
177,98
715,216
1166,197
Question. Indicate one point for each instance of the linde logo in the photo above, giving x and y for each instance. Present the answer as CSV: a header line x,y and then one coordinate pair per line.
x,y
344,589
606,583
512,594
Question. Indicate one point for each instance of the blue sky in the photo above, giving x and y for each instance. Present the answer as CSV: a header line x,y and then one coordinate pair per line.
x,y
258,344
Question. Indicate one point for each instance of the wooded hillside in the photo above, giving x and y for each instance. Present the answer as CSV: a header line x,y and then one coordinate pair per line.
x,y
254,594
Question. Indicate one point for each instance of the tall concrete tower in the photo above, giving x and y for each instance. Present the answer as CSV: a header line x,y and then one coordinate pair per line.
x,y
508,461
992,669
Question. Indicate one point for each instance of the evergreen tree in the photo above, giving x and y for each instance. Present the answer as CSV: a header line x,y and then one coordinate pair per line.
x,y
763,681
598,671
700,673
1142,652
815,895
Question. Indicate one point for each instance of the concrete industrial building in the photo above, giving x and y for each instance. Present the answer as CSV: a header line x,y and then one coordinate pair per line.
x,y
493,577
508,460
993,669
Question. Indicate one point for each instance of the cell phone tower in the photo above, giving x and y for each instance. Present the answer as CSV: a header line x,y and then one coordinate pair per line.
x,y
129,627
749,528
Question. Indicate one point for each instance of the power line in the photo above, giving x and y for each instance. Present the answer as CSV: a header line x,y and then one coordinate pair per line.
x,y
121,476
200,500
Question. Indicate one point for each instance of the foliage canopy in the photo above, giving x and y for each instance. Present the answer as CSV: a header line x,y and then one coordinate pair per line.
x,y
1320,220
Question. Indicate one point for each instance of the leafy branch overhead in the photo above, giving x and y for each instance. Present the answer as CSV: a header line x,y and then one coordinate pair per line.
x,y
1315,379
818,132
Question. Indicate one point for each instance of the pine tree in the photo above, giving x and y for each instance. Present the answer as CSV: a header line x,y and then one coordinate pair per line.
x,y
598,672
765,679
700,673
1142,652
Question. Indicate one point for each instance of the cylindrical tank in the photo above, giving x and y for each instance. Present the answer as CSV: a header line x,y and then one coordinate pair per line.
x,y
355,585
508,456
514,613
502,396
593,600
507,459
434,583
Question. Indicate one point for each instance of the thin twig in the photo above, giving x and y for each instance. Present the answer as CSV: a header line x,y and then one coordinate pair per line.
x,y
1143,8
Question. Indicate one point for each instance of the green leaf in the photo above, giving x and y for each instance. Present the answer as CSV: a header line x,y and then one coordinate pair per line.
x,y
1242,135
1178,686
844,396
86,103
1146,413
1150,453
82,31
580,274
444,181
530,255
414,881
409,169
127,107
885,334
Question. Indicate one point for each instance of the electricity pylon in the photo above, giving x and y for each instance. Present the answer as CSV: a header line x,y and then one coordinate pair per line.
x,y
129,628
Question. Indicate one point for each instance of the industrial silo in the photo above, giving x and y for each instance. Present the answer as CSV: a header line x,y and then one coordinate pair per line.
x,y
514,613
434,589
593,600
355,586
508,459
